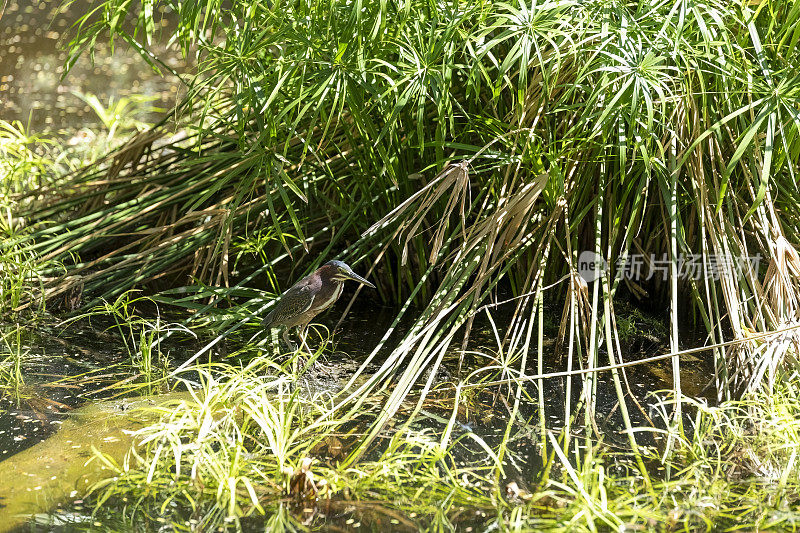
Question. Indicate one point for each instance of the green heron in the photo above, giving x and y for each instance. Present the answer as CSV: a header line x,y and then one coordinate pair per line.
x,y
309,297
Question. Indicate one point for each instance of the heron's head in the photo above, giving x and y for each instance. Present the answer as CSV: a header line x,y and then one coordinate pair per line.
x,y
341,272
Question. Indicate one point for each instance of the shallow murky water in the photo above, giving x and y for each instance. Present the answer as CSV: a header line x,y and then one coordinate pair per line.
x,y
63,367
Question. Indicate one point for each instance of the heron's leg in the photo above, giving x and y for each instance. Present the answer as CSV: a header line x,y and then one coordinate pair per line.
x,y
303,335
289,344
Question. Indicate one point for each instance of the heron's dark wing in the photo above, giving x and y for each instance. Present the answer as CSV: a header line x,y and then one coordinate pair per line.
x,y
295,301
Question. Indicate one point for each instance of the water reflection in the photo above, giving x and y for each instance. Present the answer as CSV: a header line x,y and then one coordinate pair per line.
x,y
33,37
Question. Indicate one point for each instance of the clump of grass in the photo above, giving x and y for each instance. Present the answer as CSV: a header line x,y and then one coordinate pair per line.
x,y
252,443
24,165
21,277
735,465
252,438
754,439
121,116
31,163
636,327
12,353
142,338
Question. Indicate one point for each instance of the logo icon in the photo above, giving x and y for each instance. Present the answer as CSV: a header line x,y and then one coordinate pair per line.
x,y
591,266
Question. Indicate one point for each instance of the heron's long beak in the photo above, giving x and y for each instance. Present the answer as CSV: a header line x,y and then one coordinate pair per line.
x,y
355,277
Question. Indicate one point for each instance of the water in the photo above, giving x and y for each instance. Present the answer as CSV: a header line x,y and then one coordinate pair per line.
x,y
34,88
64,367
